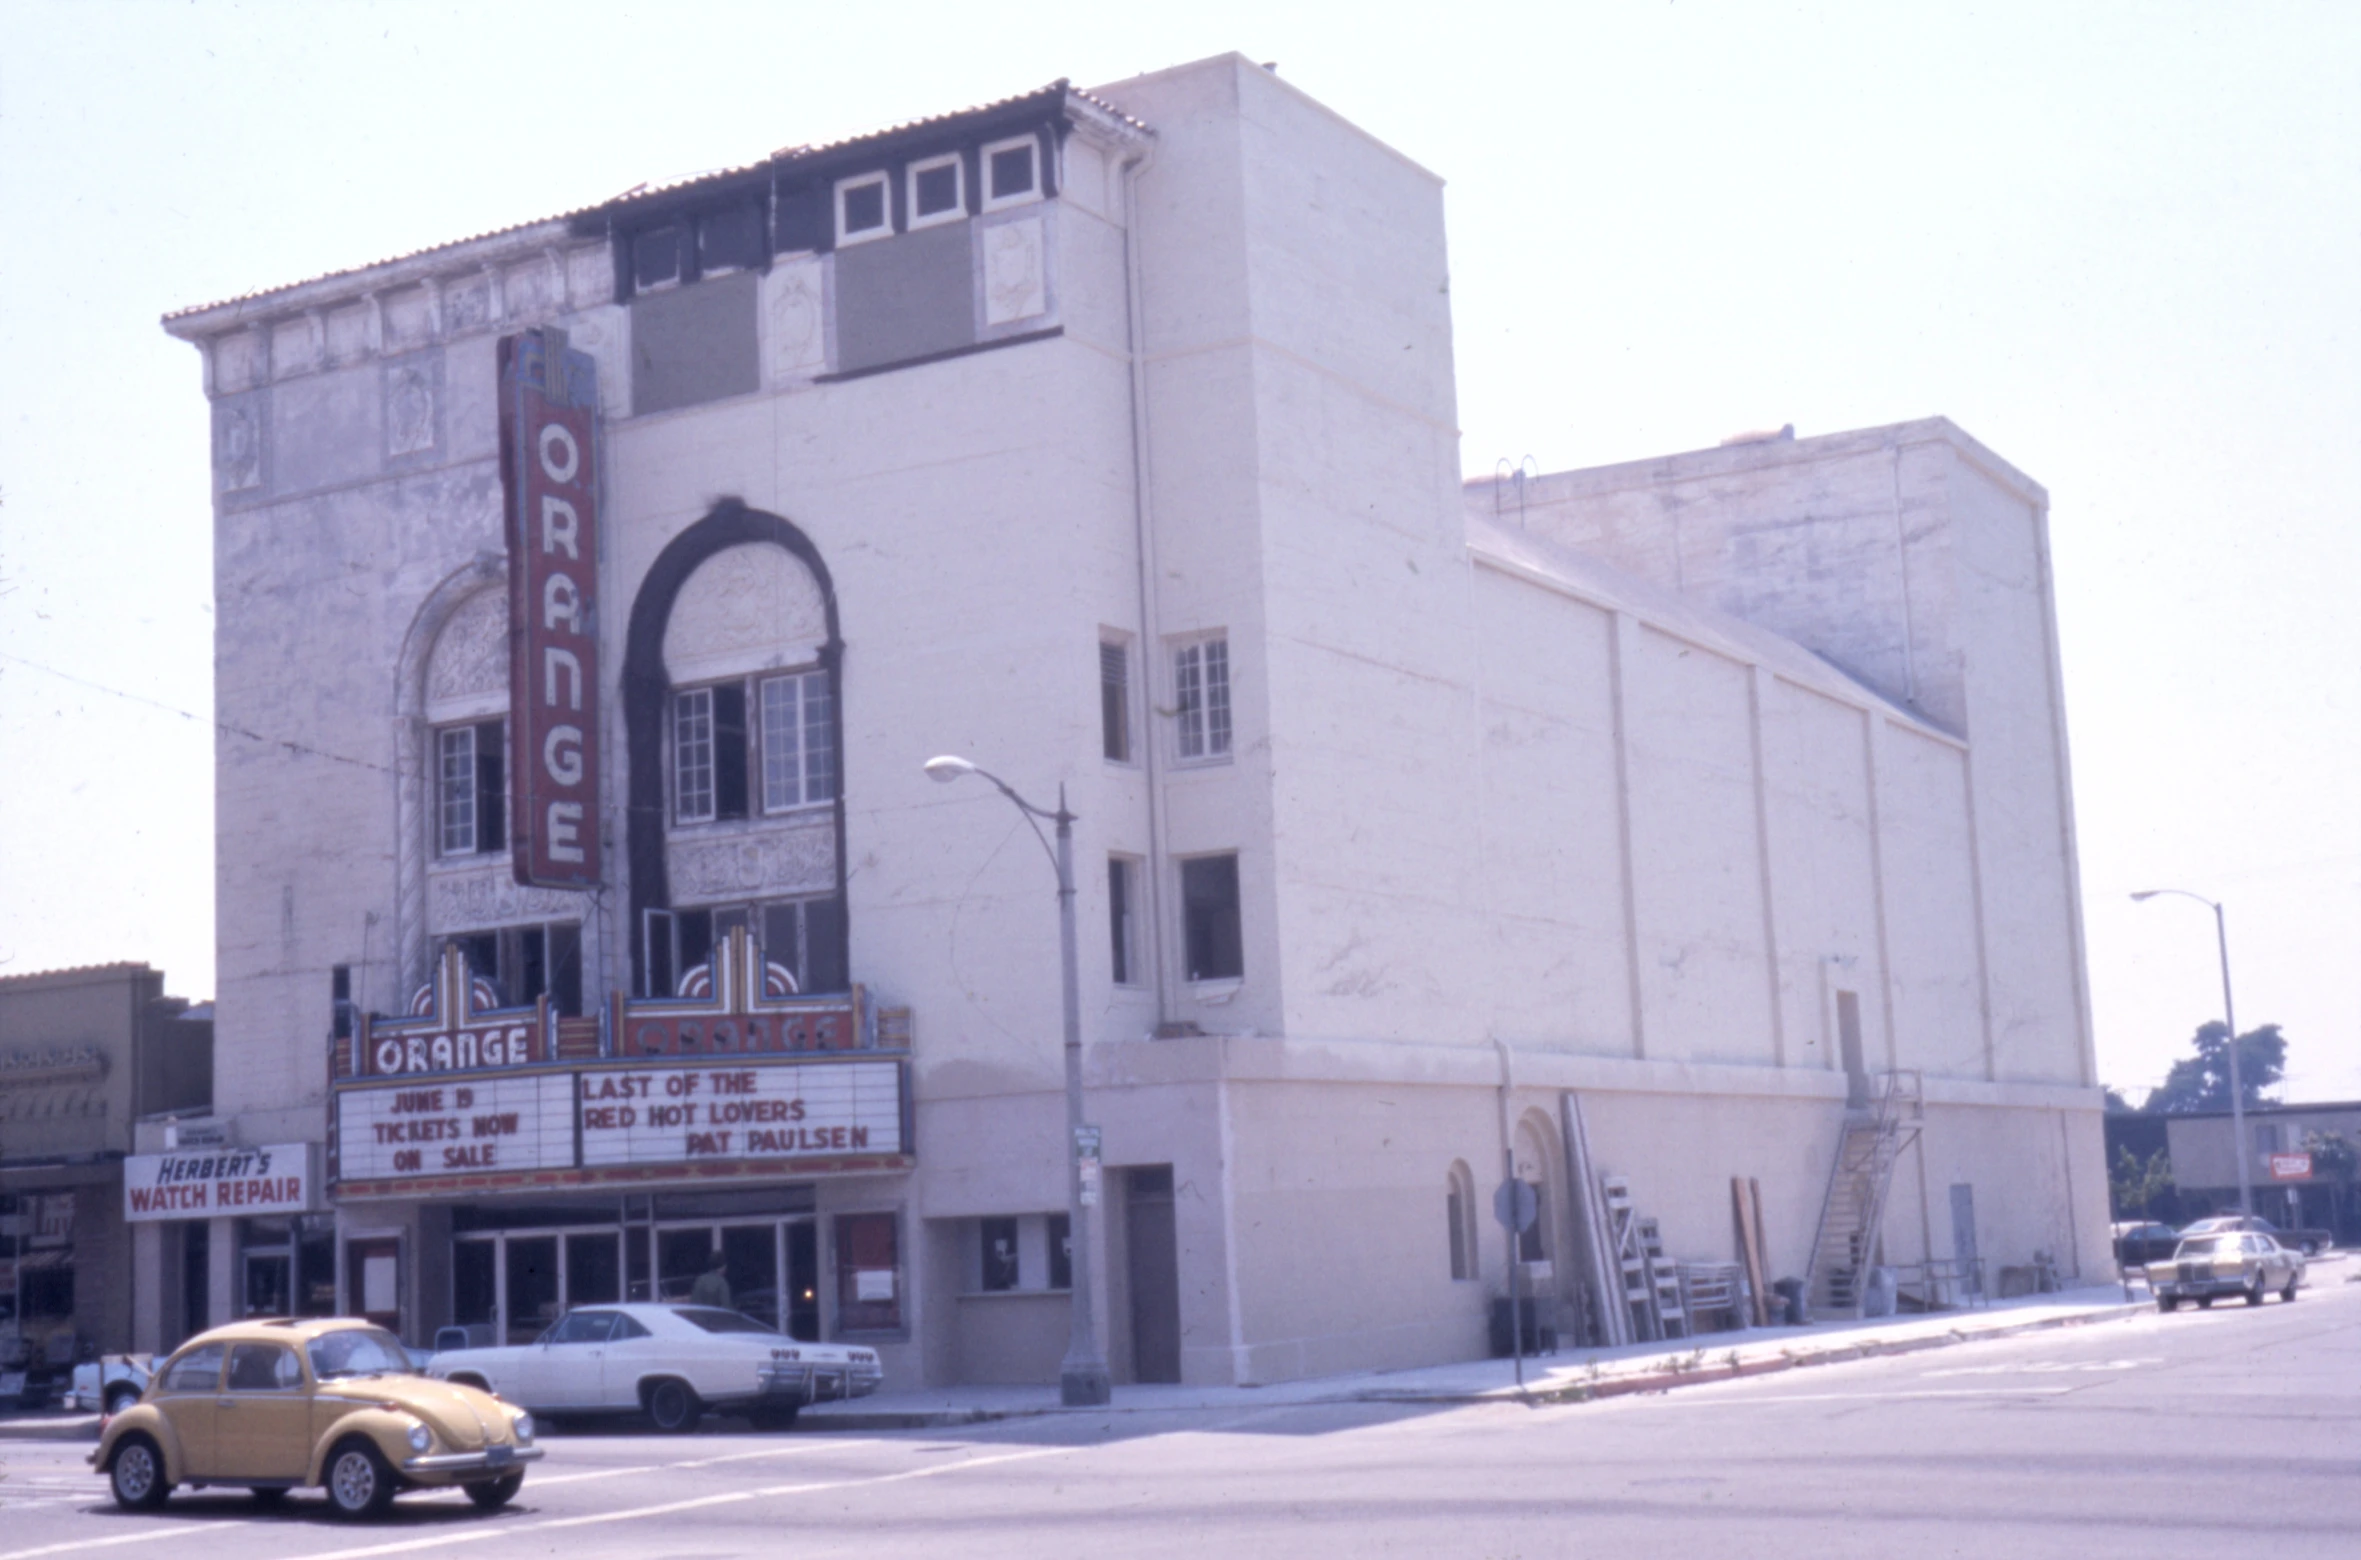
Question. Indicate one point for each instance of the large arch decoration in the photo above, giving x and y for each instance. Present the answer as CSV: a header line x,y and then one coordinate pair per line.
x,y
647,687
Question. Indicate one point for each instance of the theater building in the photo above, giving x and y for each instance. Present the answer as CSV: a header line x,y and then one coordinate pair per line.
x,y
602,585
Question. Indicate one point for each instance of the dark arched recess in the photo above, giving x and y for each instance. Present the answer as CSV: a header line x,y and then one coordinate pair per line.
x,y
647,690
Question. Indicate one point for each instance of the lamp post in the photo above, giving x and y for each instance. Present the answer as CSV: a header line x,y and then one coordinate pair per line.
x,y
2230,1021
1082,1376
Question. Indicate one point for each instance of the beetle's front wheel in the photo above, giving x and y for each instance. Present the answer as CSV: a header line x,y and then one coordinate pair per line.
x,y
359,1483
136,1475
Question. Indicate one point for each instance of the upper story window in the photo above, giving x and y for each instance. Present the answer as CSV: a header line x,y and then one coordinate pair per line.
x,y
862,209
471,788
1201,699
719,752
1115,701
1213,942
1012,172
938,191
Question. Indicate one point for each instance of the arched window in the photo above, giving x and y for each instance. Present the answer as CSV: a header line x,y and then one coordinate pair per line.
x,y
1460,1204
732,703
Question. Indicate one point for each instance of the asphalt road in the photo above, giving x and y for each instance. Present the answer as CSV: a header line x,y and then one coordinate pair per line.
x,y
2222,1432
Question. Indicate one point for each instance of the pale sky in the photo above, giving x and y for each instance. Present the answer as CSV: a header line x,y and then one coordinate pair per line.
x,y
2119,244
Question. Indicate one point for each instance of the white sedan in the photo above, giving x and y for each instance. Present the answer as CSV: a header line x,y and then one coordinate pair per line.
x,y
672,1362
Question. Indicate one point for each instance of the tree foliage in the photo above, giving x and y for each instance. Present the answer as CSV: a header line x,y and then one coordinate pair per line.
x,y
2202,1082
2333,1155
2143,1189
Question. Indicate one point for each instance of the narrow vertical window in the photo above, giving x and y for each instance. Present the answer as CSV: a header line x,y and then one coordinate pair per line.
x,y
1188,699
1115,702
729,750
692,755
491,785
1201,698
1061,1251
1456,1216
999,1253
659,955
455,788
782,940
798,741
819,739
1209,918
1217,696
340,1000
1122,895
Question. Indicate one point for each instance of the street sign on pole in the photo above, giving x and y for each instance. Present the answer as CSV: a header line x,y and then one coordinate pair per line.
x,y
1516,1205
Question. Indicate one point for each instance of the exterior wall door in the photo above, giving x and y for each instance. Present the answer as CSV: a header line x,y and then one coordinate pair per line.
x,y
1152,1247
1963,1235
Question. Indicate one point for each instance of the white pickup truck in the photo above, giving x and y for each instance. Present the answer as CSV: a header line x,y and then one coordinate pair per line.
x,y
110,1384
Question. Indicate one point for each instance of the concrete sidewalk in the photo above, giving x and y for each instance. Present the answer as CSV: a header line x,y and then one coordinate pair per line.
x,y
1571,1375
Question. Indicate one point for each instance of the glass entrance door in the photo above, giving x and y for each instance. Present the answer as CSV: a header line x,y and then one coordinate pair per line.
x,y
533,1293
269,1278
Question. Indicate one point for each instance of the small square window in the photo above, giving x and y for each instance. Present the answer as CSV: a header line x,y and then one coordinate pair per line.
x,y
1012,172
861,212
936,194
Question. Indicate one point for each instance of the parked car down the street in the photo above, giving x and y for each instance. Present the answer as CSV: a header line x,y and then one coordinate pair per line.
x,y
2308,1241
110,1385
2233,1262
2137,1244
672,1362
281,1405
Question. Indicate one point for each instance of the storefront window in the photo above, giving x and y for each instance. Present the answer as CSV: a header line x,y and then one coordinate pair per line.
x,y
868,1273
37,1247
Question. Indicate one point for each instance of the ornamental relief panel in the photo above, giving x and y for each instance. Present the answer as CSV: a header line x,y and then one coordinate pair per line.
x,y
746,607
768,860
470,658
477,898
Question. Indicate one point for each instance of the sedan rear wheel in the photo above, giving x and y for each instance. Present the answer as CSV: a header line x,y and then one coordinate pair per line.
x,y
2254,1296
2288,1294
2168,1303
673,1407
2205,1302
360,1485
136,1475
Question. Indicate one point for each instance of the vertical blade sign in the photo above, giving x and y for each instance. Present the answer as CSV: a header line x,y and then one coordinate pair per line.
x,y
549,474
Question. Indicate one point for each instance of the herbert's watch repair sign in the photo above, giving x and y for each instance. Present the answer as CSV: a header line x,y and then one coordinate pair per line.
x,y
204,1183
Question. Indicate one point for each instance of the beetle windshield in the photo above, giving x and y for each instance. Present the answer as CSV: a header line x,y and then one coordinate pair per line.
x,y
716,1320
358,1351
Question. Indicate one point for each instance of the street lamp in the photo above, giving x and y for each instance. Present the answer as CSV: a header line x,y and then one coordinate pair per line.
x,y
2229,1021
1082,1376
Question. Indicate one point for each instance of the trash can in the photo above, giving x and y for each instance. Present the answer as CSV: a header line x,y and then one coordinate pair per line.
x,y
1537,1340
1791,1299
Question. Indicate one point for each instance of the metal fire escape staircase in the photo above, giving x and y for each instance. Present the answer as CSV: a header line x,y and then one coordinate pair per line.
x,y
1846,1242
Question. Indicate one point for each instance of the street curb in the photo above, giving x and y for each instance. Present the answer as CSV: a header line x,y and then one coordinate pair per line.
x,y
81,1427
911,1419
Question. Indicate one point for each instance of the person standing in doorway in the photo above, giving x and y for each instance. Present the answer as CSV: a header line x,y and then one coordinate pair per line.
x,y
713,1285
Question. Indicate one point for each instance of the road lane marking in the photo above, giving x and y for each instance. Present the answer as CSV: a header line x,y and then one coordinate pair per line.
x,y
2040,1368
446,1538
126,1538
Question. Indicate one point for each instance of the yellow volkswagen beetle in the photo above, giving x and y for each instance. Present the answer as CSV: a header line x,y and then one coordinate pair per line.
x,y
278,1405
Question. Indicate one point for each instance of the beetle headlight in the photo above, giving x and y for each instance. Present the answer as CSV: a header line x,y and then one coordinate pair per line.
x,y
420,1438
524,1427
